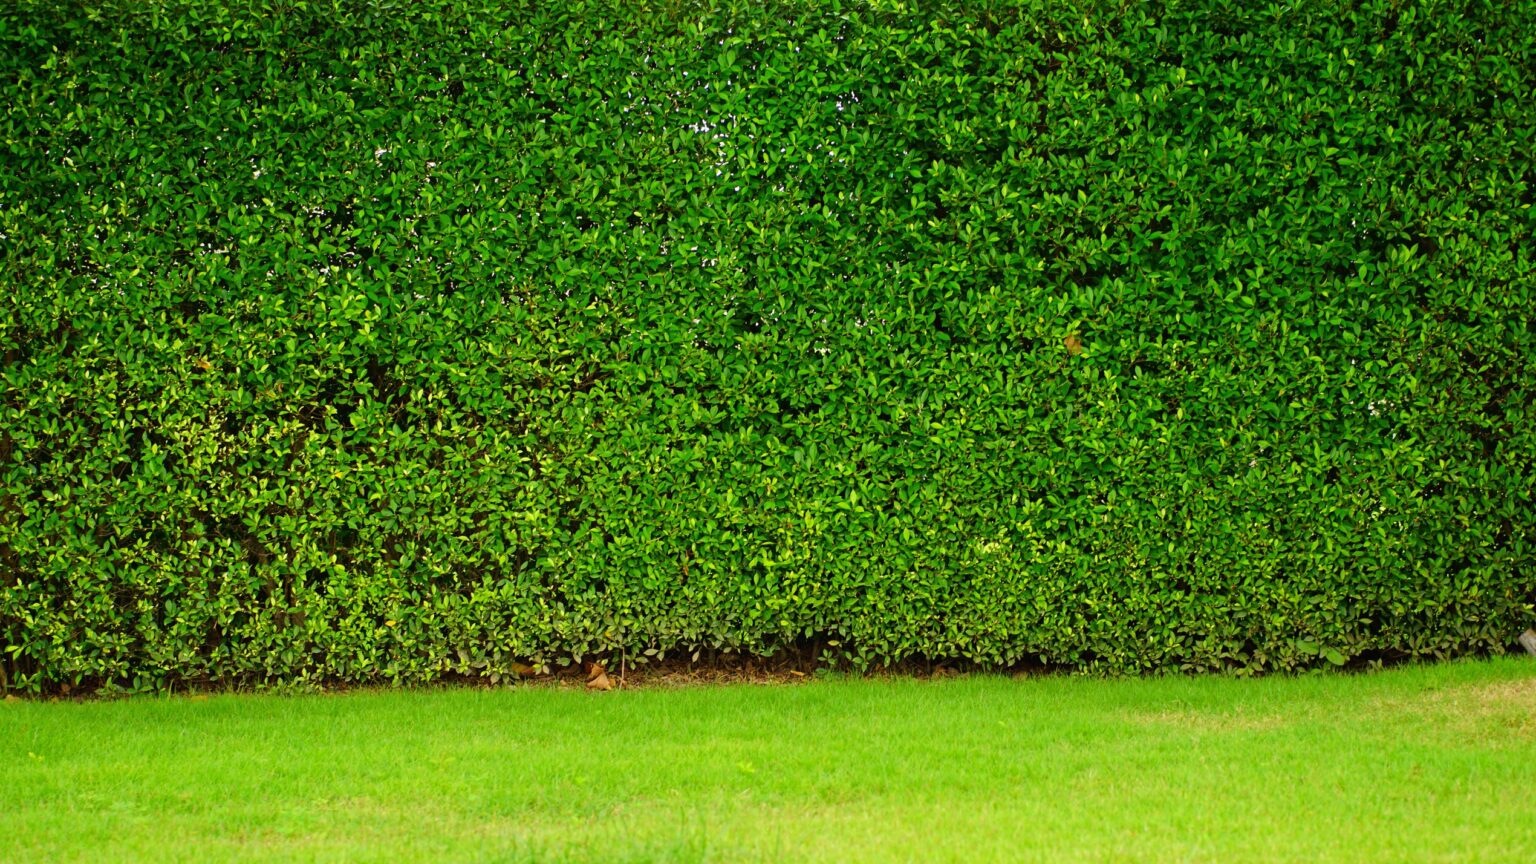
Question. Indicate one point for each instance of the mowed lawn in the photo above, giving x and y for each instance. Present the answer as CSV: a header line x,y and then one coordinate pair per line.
x,y
1421,763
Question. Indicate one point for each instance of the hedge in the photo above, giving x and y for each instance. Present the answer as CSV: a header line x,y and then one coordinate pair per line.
x,y
383,341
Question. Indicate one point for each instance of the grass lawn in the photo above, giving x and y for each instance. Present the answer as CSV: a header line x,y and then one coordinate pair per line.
x,y
1425,763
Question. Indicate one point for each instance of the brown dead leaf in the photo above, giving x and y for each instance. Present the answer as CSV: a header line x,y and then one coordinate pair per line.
x,y
1074,344
597,677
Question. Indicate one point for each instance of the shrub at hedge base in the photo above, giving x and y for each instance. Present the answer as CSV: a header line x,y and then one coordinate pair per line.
x,y
363,343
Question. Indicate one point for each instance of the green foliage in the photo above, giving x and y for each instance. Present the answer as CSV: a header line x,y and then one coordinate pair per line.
x,y
371,341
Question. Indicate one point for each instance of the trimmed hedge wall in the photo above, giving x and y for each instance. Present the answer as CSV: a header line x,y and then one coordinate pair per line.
x,y
383,341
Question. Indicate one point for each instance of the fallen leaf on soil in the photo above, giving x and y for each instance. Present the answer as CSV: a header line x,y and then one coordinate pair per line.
x,y
597,677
